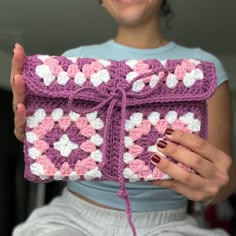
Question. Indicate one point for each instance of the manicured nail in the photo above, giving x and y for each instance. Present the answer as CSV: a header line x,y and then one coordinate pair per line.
x,y
169,131
155,159
161,144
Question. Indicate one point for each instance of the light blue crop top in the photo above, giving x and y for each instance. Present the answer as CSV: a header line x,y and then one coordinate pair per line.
x,y
143,196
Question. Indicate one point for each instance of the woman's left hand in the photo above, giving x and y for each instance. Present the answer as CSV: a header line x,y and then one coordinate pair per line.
x,y
211,180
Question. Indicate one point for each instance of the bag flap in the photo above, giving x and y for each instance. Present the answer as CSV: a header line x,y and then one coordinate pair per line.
x,y
143,81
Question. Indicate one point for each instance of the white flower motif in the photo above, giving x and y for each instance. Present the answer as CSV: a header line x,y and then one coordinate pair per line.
x,y
65,146
79,78
63,78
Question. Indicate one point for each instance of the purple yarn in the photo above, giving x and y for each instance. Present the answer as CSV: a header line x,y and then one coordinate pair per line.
x,y
115,102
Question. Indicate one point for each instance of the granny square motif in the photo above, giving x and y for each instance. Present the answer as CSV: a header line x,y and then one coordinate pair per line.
x,y
93,119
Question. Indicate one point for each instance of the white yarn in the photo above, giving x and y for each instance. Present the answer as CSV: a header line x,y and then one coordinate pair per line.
x,y
136,118
128,158
92,174
129,174
197,74
131,63
91,116
44,72
171,81
79,78
129,125
57,114
38,170
128,141
73,176
188,80
96,139
154,117
65,146
31,137
96,156
63,78
138,86
74,116
171,116
131,75
34,153
105,62
154,80
97,124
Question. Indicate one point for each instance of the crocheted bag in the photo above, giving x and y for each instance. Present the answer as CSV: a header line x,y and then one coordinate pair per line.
x,y
93,119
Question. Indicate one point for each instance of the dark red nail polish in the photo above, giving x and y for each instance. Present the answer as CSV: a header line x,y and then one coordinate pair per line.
x,y
169,131
161,144
156,159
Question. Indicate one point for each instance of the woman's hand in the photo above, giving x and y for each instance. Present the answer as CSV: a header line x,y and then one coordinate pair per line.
x,y
18,89
211,165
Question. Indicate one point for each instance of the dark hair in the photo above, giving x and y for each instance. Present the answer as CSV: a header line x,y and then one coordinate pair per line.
x,y
165,8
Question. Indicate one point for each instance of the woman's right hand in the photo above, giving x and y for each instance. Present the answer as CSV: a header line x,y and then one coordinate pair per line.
x,y
18,90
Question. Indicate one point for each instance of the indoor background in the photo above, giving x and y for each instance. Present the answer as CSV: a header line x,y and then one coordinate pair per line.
x,y
51,27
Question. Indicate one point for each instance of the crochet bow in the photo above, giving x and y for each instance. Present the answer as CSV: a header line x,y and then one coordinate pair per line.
x,y
118,95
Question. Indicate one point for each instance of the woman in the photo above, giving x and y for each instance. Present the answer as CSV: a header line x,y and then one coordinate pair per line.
x,y
89,208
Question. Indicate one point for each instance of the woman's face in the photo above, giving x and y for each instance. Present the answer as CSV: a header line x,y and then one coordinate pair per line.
x,y
132,12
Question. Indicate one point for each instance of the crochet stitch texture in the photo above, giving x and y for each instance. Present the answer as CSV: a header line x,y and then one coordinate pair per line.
x,y
94,119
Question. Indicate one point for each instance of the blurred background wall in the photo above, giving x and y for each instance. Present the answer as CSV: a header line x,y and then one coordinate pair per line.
x,y
51,27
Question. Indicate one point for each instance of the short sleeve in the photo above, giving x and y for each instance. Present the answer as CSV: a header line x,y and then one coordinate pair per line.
x,y
75,52
220,71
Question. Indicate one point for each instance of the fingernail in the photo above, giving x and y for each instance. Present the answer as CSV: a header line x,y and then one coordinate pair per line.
x,y
169,131
155,159
161,144
17,44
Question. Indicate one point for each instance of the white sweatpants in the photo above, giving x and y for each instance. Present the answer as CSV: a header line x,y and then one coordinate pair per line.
x,y
67,215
